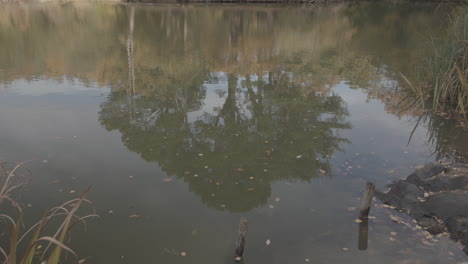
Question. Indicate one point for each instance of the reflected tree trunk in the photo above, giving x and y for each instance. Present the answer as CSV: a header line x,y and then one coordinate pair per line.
x,y
185,30
131,68
255,98
363,234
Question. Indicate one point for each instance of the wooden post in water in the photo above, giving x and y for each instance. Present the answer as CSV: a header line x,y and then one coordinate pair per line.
x,y
367,200
364,215
241,239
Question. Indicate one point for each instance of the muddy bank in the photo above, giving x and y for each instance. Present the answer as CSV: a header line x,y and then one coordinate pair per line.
x,y
436,195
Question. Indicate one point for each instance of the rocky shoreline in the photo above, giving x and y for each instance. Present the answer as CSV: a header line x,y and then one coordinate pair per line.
x,y
436,196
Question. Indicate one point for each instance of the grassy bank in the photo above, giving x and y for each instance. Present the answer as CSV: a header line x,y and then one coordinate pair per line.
x,y
443,85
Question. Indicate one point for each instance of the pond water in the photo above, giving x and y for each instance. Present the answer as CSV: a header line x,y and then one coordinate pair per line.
x,y
185,118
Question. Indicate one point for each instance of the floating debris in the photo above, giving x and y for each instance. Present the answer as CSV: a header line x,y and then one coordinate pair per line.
x,y
134,216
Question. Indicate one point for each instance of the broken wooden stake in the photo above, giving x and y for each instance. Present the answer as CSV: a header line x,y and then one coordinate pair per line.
x,y
367,200
241,239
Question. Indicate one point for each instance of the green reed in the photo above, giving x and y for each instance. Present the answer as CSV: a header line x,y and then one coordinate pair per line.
x,y
444,72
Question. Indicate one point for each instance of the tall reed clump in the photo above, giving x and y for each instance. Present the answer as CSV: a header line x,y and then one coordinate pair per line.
x,y
445,71
44,241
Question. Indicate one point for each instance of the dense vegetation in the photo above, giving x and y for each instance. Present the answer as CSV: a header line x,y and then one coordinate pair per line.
x,y
444,73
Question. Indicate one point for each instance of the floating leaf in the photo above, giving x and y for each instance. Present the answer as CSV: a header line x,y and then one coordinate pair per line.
x,y
395,218
350,209
72,191
167,180
237,258
345,249
393,233
134,216
183,254
322,171
358,221
277,199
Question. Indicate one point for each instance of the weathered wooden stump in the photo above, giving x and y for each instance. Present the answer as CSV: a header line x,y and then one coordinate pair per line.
x,y
364,215
367,200
243,227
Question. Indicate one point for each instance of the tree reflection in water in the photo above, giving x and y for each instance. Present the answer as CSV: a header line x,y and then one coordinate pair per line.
x,y
231,136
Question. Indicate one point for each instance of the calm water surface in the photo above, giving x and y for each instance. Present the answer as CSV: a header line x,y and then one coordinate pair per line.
x,y
191,117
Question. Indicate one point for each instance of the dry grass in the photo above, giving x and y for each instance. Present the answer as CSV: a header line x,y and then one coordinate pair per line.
x,y
35,245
